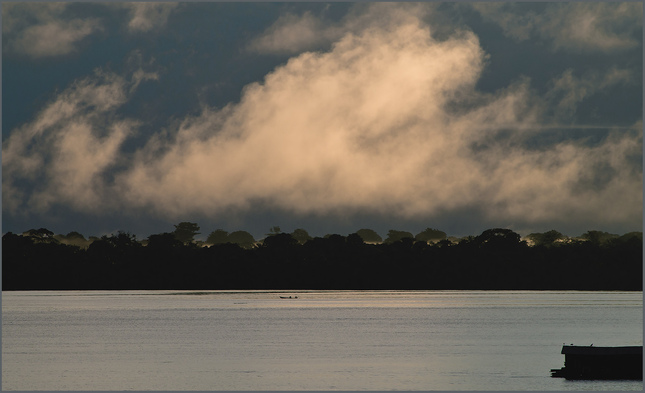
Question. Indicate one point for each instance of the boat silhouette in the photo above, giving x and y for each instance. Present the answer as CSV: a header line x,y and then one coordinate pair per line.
x,y
601,363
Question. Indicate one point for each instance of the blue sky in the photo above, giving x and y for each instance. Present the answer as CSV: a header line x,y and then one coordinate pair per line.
x,y
326,116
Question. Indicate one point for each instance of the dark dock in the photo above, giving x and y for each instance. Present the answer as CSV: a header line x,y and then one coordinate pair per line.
x,y
601,363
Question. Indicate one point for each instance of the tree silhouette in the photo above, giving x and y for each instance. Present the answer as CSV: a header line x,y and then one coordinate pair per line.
x,y
498,237
301,235
241,238
354,240
279,241
74,239
41,235
185,231
394,235
369,236
598,237
115,258
74,235
429,234
218,236
163,241
547,238
496,259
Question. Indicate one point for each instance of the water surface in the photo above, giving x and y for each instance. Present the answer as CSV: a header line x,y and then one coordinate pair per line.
x,y
324,340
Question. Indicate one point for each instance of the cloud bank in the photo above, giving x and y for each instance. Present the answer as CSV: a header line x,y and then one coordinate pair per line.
x,y
387,120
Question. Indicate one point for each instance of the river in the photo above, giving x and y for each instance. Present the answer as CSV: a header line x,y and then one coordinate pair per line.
x,y
323,340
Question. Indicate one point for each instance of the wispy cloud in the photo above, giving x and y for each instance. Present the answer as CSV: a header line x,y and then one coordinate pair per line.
x,y
293,34
41,30
568,90
67,149
148,16
50,29
574,26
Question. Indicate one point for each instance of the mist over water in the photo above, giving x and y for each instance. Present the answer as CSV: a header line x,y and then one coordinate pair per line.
x,y
324,340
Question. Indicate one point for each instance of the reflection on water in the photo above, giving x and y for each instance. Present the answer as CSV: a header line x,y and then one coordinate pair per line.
x,y
324,340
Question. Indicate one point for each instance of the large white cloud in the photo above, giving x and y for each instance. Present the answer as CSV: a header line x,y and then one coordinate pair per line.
x,y
387,120
368,125
326,131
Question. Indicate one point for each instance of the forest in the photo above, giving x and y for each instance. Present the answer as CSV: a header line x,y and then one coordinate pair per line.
x,y
496,259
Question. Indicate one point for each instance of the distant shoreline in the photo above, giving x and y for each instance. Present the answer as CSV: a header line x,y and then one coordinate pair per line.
x,y
495,260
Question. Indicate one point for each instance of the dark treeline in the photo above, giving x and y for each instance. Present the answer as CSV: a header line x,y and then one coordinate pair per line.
x,y
496,259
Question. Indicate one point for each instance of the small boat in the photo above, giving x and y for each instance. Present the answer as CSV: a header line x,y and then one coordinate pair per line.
x,y
600,363
288,297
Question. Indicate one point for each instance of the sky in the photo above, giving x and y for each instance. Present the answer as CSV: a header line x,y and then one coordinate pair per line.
x,y
330,117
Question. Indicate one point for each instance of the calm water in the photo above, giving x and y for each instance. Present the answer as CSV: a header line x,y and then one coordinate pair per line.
x,y
324,340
